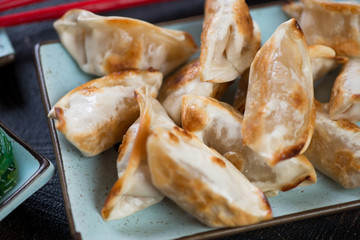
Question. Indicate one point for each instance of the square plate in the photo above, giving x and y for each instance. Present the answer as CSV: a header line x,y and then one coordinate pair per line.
x,y
86,182
7,53
34,171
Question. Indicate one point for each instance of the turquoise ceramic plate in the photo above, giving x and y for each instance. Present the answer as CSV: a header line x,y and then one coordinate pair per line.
x,y
7,53
33,172
86,181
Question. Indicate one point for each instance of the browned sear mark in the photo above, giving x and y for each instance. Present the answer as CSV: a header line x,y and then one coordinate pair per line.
x,y
218,161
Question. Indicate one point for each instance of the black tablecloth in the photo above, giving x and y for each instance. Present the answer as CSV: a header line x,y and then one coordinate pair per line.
x,y
42,216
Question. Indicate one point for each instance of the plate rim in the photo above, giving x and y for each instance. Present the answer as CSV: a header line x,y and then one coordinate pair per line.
x,y
55,141
215,233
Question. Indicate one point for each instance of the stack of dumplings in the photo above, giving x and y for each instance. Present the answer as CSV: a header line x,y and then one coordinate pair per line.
x,y
219,125
217,161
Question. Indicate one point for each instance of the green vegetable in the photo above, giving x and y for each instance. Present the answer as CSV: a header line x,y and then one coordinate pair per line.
x,y
8,170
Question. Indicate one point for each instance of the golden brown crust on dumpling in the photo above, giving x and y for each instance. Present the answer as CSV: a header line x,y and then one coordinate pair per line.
x,y
177,80
344,33
197,118
197,186
335,148
345,94
222,131
193,120
229,40
101,45
94,116
333,6
89,142
279,115
186,75
186,81
347,125
208,199
243,20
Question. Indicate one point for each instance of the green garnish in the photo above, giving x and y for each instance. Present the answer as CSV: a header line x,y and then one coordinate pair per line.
x,y
8,169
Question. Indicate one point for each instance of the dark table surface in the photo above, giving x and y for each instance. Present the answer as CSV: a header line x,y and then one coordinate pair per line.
x,y
43,216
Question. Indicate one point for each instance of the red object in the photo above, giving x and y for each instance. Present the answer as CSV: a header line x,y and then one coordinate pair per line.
x,y
96,6
10,4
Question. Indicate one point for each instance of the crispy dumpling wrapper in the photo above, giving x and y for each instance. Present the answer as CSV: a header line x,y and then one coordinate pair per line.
x,y
186,81
279,113
229,40
219,126
202,182
345,95
133,191
335,148
334,24
96,115
153,113
323,59
102,45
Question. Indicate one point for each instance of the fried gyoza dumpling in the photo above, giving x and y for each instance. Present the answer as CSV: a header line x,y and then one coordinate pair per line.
x,y
335,148
323,59
333,24
345,95
202,182
96,115
279,113
186,81
102,45
134,191
229,40
219,126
